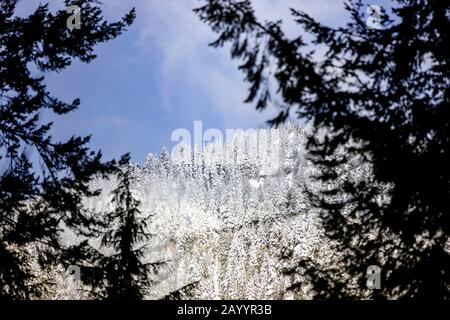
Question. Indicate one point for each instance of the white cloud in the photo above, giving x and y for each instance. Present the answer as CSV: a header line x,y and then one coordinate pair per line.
x,y
172,30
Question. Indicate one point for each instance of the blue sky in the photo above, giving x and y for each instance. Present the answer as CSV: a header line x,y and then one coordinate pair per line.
x,y
161,75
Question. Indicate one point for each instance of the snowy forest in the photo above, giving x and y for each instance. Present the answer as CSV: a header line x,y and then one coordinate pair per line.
x,y
221,222
226,227
342,194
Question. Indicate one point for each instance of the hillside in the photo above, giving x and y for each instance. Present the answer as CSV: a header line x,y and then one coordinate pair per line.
x,y
233,218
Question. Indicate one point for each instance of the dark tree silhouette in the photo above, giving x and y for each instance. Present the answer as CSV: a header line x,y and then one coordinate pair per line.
x,y
383,95
185,292
124,274
37,201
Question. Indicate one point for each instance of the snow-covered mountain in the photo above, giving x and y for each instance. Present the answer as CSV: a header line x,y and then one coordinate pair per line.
x,y
223,215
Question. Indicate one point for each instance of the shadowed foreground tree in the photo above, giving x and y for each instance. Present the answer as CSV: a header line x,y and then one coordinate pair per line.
x,y
383,95
40,195
184,293
124,273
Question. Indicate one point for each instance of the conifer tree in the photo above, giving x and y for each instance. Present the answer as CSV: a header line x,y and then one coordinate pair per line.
x,y
126,274
381,93
42,180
